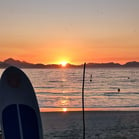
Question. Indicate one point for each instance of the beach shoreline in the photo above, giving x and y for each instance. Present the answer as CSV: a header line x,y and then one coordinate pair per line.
x,y
99,125
89,109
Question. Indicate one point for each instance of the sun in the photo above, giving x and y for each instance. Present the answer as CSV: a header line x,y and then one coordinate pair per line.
x,y
64,63
64,109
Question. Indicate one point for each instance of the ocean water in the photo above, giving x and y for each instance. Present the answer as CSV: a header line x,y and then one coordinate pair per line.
x,y
62,88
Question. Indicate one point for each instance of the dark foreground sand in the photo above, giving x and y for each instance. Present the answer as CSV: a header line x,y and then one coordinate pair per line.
x,y
99,125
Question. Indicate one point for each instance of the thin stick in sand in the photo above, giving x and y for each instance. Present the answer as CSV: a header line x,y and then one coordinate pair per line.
x,y
83,101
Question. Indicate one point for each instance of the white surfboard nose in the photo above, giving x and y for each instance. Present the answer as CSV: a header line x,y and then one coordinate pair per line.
x,y
14,80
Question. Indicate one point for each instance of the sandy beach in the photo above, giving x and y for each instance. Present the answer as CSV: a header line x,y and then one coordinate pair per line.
x,y
99,125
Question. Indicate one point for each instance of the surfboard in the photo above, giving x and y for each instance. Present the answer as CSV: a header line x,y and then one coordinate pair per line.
x,y
19,110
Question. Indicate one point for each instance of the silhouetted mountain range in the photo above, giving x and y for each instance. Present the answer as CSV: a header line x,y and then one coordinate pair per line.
x,y
23,64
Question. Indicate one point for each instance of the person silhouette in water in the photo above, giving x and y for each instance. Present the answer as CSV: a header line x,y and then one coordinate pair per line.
x,y
91,78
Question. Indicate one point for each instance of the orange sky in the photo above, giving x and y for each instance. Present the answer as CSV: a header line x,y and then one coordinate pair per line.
x,y
78,31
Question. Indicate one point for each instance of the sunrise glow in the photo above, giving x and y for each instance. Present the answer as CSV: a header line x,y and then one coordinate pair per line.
x,y
64,109
53,32
63,63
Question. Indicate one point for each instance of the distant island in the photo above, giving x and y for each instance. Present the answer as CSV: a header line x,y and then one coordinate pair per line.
x,y
22,64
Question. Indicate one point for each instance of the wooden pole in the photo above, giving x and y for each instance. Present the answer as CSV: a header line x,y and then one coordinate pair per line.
x,y
83,100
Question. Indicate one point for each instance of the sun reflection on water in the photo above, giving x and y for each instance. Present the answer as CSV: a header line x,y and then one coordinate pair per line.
x,y
64,102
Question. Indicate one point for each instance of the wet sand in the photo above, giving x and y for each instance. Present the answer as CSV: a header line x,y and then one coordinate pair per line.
x,y
99,125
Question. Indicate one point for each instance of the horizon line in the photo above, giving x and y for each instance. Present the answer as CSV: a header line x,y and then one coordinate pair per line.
x,y
68,63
